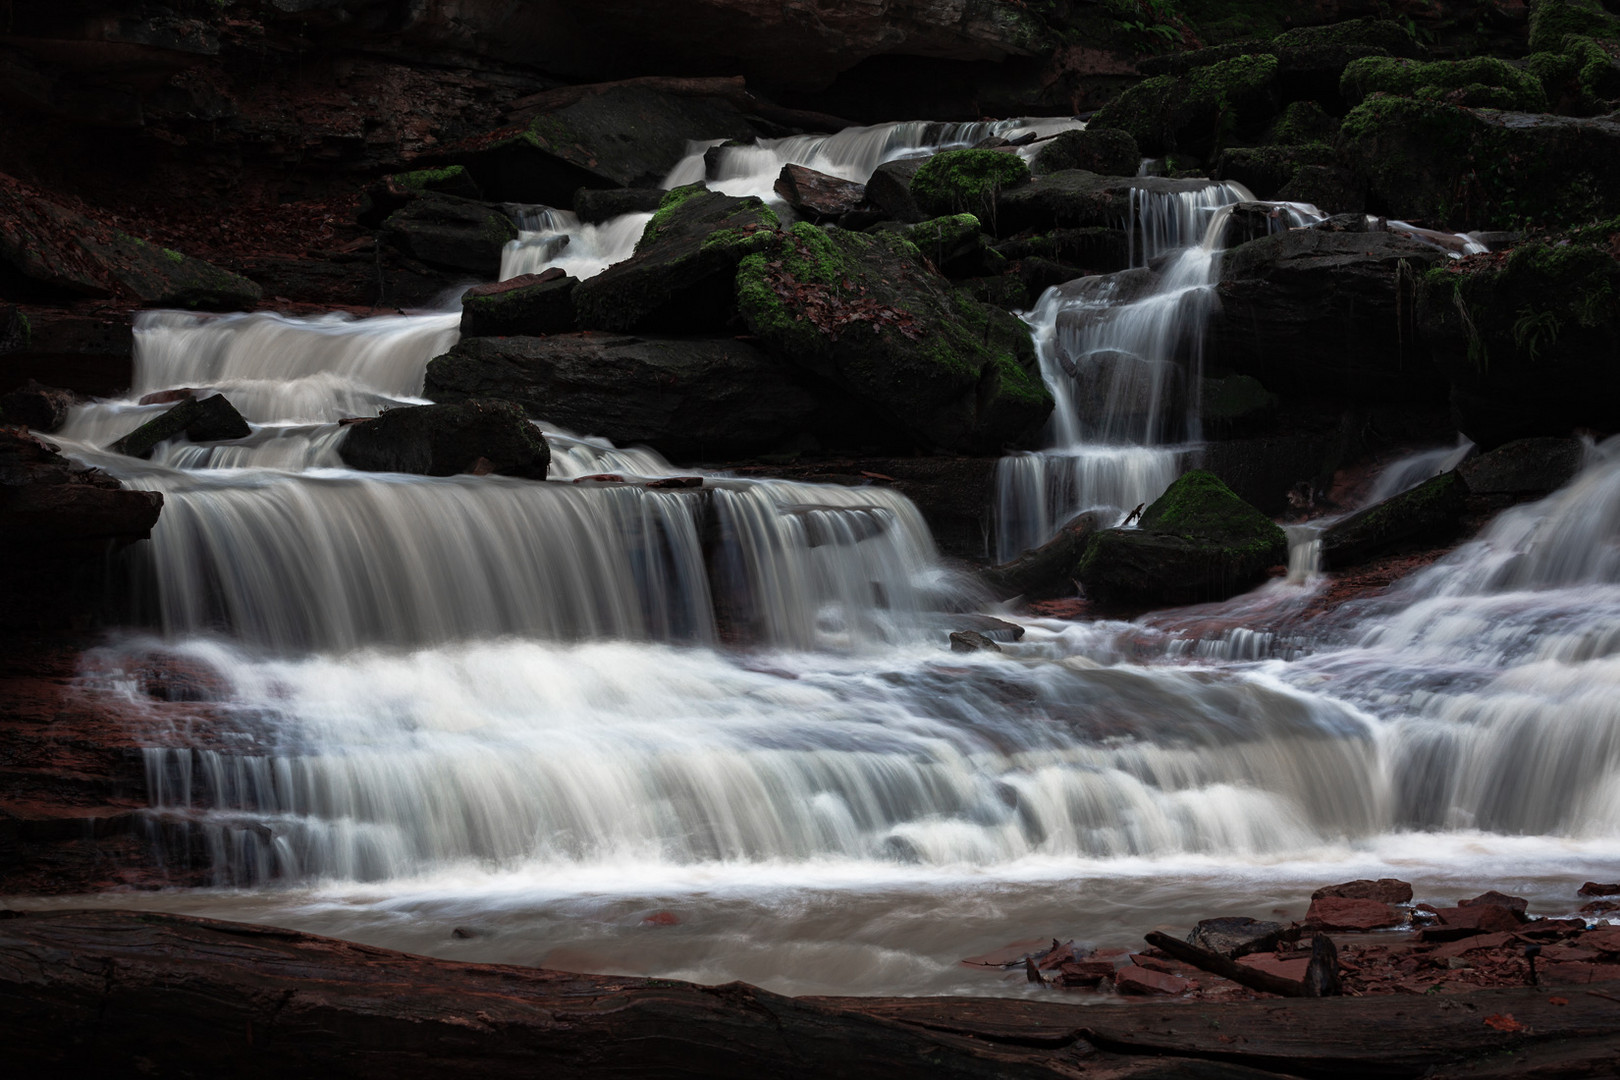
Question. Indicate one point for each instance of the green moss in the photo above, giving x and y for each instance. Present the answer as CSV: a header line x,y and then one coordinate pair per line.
x,y
1143,111
1302,122
1200,507
1552,70
1595,68
1514,88
27,329
966,180
1368,33
745,241
550,133
1551,21
1204,104
422,179
666,207
172,255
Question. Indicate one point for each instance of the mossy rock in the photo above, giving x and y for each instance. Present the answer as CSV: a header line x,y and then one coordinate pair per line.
x,y
1236,406
966,181
1552,21
449,180
451,233
1199,111
1096,149
682,276
1197,542
956,245
865,311
442,440
1478,81
1427,515
1265,170
1367,33
533,304
1099,249
209,419
1302,122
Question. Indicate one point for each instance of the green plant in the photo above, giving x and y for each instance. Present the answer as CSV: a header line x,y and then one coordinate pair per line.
x,y
1533,329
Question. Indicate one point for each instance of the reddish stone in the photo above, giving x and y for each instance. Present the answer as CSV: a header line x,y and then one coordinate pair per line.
x,y
1607,941
1577,973
1558,954
1482,918
1340,913
1593,888
661,918
1470,944
1139,980
169,397
1493,898
1271,965
1600,907
677,482
1086,972
1384,890
1056,956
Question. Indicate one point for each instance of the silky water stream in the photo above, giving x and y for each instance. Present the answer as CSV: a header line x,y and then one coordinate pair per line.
x,y
717,733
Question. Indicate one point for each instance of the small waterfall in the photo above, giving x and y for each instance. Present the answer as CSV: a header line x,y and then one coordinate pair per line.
x,y
556,238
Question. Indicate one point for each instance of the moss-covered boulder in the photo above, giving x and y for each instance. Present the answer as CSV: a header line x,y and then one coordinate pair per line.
x,y
1479,81
1582,79
1198,112
533,304
1459,168
682,276
1425,516
442,440
1095,149
1531,344
1096,249
1312,59
966,181
1553,21
451,233
394,191
1302,122
866,312
1266,170
956,245
1198,542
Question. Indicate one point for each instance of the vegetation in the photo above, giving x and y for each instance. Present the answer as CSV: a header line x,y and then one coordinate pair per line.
x,y
959,181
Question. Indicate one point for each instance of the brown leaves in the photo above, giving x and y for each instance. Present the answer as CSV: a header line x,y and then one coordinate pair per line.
x,y
1503,1022
834,309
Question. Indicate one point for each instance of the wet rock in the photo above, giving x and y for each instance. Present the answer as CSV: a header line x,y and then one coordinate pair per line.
x,y
37,406
956,245
1342,299
972,641
531,304
1143,982
1384,890
1426,516
1050,570
457,234
1108,151
989,626
1266,170
889,188
1458,922
1190,113
817,196
686,398
442,440
1516,904
1345,913
209,419
168,397
1594,888
682,278
1097,249
51,251
967,181
1075,198
865,312
596,205
1235,936
52,511
1089,972
1236,407
1198,542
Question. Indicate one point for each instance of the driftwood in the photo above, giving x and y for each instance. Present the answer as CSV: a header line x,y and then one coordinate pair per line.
x,y
124,993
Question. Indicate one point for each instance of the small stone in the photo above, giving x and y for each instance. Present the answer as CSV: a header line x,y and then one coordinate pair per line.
x,y
1496,899
1140,980
1234,937
1384,890
972,641
1592,888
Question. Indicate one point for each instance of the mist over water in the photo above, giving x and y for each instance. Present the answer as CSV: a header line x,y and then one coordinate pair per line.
x,y
543,712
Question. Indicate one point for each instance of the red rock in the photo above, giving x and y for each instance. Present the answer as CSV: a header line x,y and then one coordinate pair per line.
x,y
169,397
661,918
1495,899
1600,907
1384,890
677,482
1086,972
1593,888
1577,973
1470,944
1153,963
1607,941
1482,918
816,195
1056,956
1340,913
1558,954
1139,980
1288,969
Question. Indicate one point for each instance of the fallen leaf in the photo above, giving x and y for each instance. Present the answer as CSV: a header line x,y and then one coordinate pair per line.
x,y
1503,1022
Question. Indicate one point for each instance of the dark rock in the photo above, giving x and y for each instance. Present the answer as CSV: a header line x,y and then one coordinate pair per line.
x,y
1077,198
1342,299
1426,516
1101,250
167,397
682,278
1524,467
1266,170
37,406
686,398
14,329
1384,890
817,196
51,251
955,245
52,511
596,205
531,305
1235,936
865,312
1095,149
393,192
442,440
1198,542
88,354
1190,113
889,188
1322,973
1344,913
998,630
1236,407
458,234
1050,570
1594,888
1326,187
972,641
209,419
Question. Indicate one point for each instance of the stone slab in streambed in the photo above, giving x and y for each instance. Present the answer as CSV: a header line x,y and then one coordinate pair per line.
x,y
529,305
209,419
688,398
1077,198
1524,467
815,196
1197,542
446,439
1426,516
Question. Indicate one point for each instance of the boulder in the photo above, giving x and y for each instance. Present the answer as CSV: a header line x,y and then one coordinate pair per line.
x,y
682,278
956,245
1050,570
889,188
1099,249
442,440
1531,343
453,233
1524,467
1267,170
1384,890
37,406
51,251
686,398
1235,936
1108,151
1475,82
972,641
1428,515
1192,113
1598,888
1236,407
967,181
815,196
530,305
1458,922
209,419
1552,21
596,205
395,191
865,312
1197,542
1072,198
1319,314
1346,913
1302,123
52,511
1516,904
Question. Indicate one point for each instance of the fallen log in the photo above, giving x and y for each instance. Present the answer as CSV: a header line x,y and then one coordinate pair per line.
x,y
1216,964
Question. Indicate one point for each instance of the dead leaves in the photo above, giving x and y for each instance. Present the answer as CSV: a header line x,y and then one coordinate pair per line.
x,y
833,309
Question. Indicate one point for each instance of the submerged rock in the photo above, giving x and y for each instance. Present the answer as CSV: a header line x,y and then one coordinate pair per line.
x,y
1426,516
442,440
531,304
1198,542
209,419
972,641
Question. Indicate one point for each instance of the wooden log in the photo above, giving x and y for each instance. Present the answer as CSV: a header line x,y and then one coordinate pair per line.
x,y
1216,964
